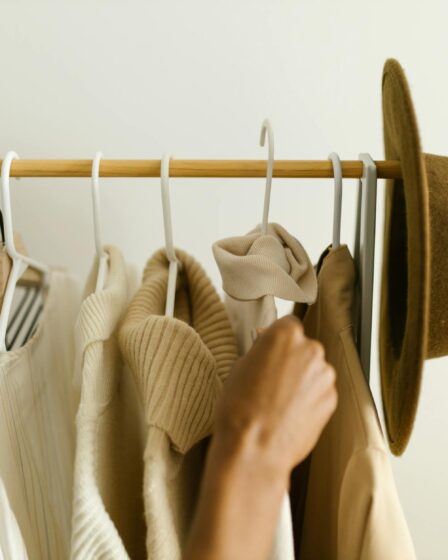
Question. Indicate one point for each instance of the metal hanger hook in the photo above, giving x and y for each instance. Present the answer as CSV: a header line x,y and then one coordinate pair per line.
x,y
266,127
166,208
337,210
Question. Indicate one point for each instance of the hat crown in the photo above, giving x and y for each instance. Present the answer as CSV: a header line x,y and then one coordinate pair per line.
x,y
437,183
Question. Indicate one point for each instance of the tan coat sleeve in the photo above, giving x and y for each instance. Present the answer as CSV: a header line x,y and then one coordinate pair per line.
x,y
371,524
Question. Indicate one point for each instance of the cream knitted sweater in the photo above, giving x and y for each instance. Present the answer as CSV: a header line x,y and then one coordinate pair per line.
x,y
108,519
179,365
37,435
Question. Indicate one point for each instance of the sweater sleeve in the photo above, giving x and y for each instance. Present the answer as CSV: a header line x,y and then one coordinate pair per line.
x,y
371,523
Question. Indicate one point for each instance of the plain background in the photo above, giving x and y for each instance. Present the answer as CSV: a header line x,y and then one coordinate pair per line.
x,y
135,79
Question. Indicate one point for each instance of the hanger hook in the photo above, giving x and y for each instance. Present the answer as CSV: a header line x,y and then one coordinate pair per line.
x,y
166,207
266,127
96,203
19,262
6,205
337,211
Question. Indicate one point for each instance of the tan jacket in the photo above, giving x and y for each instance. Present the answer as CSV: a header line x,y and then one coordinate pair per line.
x,y
351,510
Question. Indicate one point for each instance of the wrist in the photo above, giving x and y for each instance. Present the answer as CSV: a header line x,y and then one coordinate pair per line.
x,y
245,450
240,483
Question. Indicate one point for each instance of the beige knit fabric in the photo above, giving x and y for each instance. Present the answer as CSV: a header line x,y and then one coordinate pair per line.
x,y
37,430
351,509
179,365
255,268
108,517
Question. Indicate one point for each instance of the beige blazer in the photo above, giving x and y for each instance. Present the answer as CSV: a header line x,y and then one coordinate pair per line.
x,y
350,510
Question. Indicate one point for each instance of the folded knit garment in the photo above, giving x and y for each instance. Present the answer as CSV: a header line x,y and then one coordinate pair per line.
x,y
179,364
255,268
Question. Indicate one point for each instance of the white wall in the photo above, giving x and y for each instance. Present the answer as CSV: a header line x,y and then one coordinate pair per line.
x,y
134,79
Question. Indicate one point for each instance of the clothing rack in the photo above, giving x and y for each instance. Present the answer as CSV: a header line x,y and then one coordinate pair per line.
x,y
364,169
310,169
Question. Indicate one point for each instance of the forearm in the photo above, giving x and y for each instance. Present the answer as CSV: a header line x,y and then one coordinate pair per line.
x,y
239,503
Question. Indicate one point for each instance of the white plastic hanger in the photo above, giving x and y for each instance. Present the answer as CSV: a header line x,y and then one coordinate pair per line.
x,y
168,228
337,211
19,262
101,253
267,127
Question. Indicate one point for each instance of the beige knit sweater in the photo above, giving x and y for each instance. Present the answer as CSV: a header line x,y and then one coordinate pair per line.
x,y
37,435
179,365
108,519
256,268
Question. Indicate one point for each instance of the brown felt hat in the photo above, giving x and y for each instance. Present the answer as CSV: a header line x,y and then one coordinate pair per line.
x,y
414,291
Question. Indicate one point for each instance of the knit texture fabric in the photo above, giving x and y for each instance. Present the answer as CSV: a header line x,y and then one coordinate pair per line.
x,y
255,268
37,429
179,364
108,518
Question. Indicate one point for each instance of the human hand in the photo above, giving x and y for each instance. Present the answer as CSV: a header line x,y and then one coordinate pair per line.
x,y
278,397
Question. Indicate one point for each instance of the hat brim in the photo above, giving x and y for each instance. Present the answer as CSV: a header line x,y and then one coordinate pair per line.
x,y
406,257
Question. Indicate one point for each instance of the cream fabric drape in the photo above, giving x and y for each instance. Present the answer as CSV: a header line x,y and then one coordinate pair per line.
x,y
37,435
12,546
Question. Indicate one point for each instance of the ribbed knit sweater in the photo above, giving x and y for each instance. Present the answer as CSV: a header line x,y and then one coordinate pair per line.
x,y
108,518
256,268
179,365
37,434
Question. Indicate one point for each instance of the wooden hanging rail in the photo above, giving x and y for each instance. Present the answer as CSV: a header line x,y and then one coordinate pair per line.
x,y
197,168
